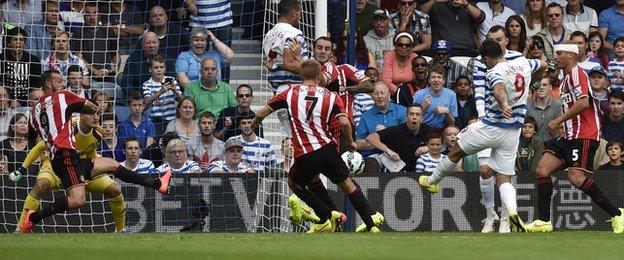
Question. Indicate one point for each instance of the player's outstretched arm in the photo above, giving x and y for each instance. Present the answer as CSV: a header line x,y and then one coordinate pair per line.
x,y
364,87
501,97
581,104
34,153
89,108
346,131
260,115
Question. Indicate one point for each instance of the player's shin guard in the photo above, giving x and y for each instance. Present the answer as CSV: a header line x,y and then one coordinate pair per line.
x,y
361,205
321,210
544,193
590,188
444,167
487,195
57,206
320,192
508,197
118,210
29,203
132,177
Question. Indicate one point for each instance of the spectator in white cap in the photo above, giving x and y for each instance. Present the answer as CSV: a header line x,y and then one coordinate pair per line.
x,y
232,159
441,51
397,65
380,39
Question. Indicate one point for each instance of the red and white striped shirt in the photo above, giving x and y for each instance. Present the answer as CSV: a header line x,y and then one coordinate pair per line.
x,y
585,125
310,108
343,75
51,118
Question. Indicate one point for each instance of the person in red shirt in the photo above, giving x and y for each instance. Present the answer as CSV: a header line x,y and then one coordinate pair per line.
x,y
51,120
310,107
575,150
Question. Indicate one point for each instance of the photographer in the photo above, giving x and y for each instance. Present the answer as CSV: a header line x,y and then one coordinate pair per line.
x,y
161,94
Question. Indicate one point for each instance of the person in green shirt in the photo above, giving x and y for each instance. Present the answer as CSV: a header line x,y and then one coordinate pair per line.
x,y
209,93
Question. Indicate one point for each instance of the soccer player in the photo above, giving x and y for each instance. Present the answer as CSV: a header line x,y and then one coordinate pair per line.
x,y
482,93
499,129
310,107
50,118
576,148
278,45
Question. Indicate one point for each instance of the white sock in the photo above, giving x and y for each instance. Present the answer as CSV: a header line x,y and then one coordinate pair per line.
x,y
487,195
504,214
508,197
444,167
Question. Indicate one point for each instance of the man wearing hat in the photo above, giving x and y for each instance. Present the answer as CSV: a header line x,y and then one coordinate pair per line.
x,y
600,84
577,145
232,159
380,39
442,58
407,18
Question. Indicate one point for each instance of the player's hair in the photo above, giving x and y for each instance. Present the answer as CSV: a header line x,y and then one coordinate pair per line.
x,y
310,70
179,107
438,70
286,6
135,96
619,39
555,5
157,58
618,94
531,120
13,33
207,114
324,38
433,135
74,68
490,48
244,86
109,117
46,77
245,116
612,143
579,34
131,139
497,28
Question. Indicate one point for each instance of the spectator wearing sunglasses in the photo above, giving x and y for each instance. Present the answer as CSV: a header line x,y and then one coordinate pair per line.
x,y
227,121
397,65
554,33
414,21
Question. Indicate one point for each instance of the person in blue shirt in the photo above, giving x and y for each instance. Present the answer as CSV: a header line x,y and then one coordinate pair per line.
x,y
137,125
439,103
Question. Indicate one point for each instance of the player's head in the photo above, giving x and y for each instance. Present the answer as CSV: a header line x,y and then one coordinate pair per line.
x,y
618,47
290,11
450,135
52,81
207,122
580,39
323,47
74,76
34,94
381,95
244,123
491,52
287,148
233,151
499,34
244,95
157,67
109,125
136,104
89,121
434,142
436,78
15,38
132,149
372,74
566,55
614,151
414,117
529,129
175,153
616,104
310,71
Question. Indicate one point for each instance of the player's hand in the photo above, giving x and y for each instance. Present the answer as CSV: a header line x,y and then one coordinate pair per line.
x,y
506,111
553,126
421,150
425,104
295,48
351,146
269,63
16,175
393,156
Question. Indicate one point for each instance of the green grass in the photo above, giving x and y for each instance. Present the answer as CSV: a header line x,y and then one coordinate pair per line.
x,y
558,245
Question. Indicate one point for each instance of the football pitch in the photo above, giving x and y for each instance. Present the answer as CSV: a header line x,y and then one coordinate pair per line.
x,y
390,245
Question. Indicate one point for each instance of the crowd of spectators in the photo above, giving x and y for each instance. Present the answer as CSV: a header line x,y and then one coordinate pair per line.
x,y
167,65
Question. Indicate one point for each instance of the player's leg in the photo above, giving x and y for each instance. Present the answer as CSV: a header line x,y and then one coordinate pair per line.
x,y
46,180
101,165
103,184
300,174
553,160
486,186
317,187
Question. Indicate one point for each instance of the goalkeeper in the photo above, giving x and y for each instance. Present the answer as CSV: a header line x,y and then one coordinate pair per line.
x,y
88,135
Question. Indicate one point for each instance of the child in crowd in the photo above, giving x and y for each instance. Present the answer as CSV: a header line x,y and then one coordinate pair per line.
x,y
429,161
450,136
161,95
614,150
372,74
616,66
530,147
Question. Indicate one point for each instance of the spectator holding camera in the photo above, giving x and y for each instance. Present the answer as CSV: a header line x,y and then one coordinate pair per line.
x,y
161,93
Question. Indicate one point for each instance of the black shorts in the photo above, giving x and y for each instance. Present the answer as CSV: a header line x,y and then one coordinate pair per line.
x,y
577,153
87,167
325,160
68,167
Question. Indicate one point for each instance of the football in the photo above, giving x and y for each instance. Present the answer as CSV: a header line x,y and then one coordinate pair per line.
x,y
354,161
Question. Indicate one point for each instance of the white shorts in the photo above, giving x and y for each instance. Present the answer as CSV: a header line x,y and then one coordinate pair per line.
x,y
502,141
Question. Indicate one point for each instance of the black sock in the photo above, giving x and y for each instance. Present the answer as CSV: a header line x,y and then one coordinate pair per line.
x,y
599,198
361,205
544,192
321,210
320,192
57,206
132,177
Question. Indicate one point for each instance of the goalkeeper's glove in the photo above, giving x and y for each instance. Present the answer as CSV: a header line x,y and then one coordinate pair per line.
x,y
17,174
